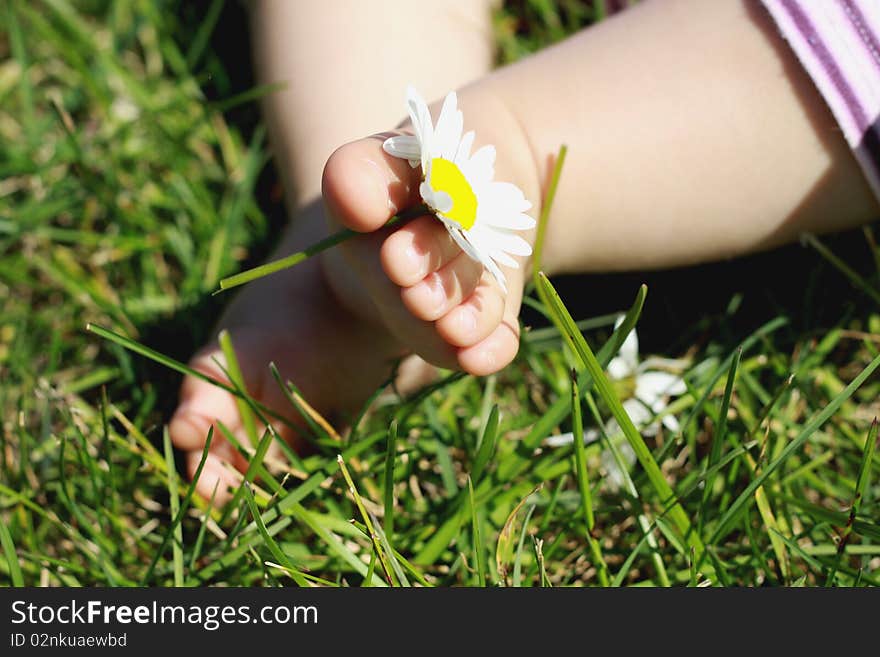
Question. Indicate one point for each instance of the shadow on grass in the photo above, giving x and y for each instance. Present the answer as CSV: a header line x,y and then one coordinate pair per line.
x,y
726,301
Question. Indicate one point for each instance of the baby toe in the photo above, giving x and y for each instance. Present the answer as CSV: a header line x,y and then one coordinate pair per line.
x,y
417,249
492,353
442,290
363,186
215,474
202,404
476,317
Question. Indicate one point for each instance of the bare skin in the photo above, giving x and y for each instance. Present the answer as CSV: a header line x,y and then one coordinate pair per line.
x,y
693,135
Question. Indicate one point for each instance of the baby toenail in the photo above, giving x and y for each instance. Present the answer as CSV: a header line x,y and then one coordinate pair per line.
x,y
379,186
413,257
436,292
467,320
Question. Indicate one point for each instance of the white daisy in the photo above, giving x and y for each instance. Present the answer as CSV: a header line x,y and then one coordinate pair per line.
x,y
650,393
652,388
480,214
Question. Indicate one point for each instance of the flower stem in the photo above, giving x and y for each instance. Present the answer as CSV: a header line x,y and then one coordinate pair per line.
x,y
295,258
284,263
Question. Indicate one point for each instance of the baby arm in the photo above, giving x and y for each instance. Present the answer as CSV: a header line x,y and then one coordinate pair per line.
x,y
693,135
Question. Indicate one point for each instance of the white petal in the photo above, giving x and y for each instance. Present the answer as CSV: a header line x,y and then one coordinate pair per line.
x,y
640,414
498,210
447,134
496,272
439,201
422,125
501,240
652,386
442,201
629,350
671,423
651,430
480,169
486,243
459,237
613,475
560,440
421,119
660,363
405,147
502,258
508,197
476,254
463,153
511,221
618,369
590,436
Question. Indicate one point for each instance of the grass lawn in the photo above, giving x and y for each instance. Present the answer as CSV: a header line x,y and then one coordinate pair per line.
x,y
134,175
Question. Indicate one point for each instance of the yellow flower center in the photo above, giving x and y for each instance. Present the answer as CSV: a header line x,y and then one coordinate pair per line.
x,y
447,177
626,388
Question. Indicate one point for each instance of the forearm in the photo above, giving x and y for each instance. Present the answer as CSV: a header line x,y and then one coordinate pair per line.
x,y
693,135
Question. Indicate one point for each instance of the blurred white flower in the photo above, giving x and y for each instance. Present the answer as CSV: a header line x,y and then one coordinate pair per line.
x,y
124,109
650,390
653,388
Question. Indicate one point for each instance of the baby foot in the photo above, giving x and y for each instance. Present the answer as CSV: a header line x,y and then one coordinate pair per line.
x,y
335,325
450,274
292,319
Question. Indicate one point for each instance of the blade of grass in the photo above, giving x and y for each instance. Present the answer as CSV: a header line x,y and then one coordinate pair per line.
x,y
543,219
487,445
479,562
606,391
371,570
235,376
503,546
392,554
374,537
11,556
862,480
274,548
544,216
562,406
580,460
538,544
254,465
745,345
253,94
817,421
720,433
628,484
16,42
177,543
176,365
284,263
858,281
627,564
295,258
206,516
517,560
178,516
389,479
203,34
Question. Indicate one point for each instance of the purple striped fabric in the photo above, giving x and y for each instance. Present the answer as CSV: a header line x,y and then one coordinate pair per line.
x,y
838,43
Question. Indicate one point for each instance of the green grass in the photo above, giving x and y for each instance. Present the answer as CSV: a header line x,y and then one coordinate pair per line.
x,y
134,177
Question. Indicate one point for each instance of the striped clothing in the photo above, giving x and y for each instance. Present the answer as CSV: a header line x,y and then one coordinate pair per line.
x,y
838,43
